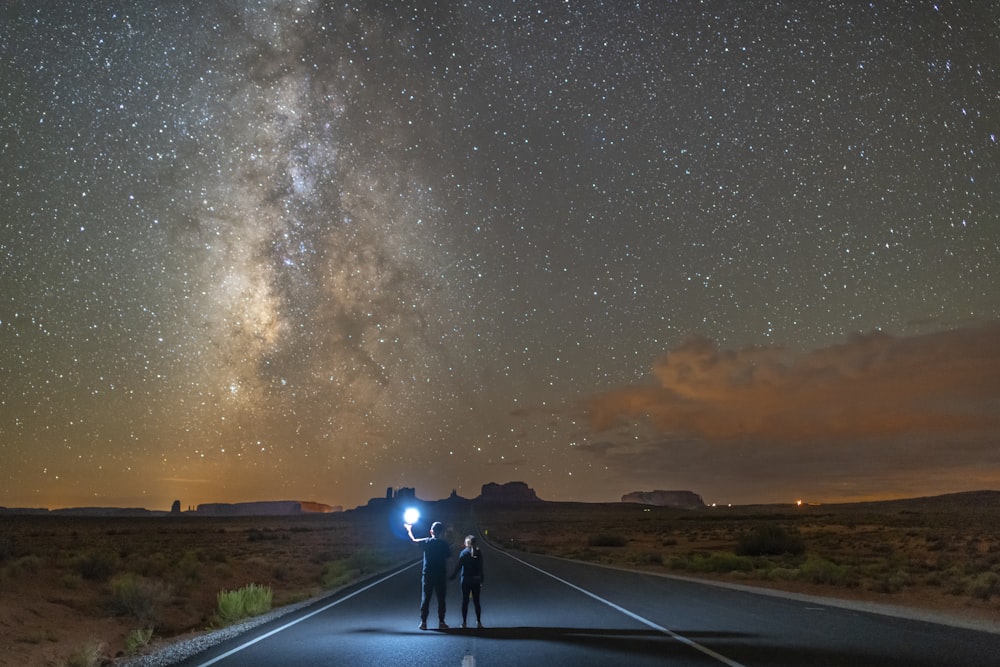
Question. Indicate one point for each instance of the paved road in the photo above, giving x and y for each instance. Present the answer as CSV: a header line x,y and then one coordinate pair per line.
x,y
544,611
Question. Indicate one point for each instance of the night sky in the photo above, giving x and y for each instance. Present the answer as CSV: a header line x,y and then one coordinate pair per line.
x,y
309,250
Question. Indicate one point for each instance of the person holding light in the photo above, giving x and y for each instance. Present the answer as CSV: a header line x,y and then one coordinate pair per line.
x,y
434,573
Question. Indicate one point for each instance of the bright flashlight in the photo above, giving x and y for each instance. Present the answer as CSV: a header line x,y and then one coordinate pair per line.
x,y
411,515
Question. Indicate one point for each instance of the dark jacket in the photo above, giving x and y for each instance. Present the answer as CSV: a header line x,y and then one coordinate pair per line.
x,y
470,564
436,554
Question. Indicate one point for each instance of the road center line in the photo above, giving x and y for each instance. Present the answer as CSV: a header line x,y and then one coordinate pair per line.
x,y
670,633
303,618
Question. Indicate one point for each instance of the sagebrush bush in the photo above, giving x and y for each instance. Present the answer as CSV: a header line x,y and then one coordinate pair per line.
x,y
89,655
24,566
984,585
769,540
369,560
251,600
139,597
891,582
137,640
783,574
819,570
720,561
607,540
653,558
337,573
97,565
189,566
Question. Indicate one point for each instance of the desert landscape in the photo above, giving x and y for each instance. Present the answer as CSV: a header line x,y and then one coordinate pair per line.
x,y
87,591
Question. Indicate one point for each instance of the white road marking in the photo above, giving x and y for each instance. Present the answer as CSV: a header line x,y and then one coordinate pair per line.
x,y
302,618
645,621
468,660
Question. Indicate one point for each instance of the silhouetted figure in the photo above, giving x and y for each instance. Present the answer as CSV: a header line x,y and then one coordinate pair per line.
x,y
470,565
435,573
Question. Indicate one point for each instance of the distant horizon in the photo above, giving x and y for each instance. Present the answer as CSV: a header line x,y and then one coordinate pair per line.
x,y
346,507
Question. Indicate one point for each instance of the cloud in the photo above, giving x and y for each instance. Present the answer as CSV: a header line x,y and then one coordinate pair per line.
x,y
875,417
873,386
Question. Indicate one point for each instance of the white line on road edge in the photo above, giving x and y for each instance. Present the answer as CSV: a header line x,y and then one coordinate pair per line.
x,y
670,633
302,618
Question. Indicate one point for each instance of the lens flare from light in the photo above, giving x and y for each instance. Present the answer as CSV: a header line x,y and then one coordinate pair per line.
x,y
411,515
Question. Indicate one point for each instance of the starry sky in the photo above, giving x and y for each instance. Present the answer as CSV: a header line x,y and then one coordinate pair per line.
x,y
270,249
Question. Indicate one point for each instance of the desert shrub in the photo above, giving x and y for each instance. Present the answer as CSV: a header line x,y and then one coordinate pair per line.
x,y
6,547
338,573
189,566
652,558
138,597
137,640
39,636
892,582
152,565
23,566
368,560
677,563
321,557
955,581
984,585
256,535
783,573
97,565
607,540
88,655
819,570
769,540
720,561
251,600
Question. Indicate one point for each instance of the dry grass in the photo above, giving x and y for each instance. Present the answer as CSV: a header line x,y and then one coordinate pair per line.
x,y
937,554
71,584
76,590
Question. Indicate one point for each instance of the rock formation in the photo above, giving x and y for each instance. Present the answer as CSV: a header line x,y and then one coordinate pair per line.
x,y
262,508
511,492
680,499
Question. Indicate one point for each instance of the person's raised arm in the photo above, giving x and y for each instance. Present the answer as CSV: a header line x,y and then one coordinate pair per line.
x,y
409,531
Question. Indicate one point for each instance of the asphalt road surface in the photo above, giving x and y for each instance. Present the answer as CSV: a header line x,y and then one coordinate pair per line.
x,y
545,611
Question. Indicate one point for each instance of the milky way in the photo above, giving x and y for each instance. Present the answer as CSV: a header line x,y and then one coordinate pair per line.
x,y
311,250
